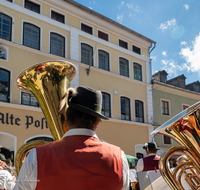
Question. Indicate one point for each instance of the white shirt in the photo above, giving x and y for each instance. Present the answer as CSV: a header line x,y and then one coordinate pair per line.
x,y
140,163
27,179
6,180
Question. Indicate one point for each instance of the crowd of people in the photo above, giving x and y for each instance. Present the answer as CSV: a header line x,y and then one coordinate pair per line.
x,y
79,160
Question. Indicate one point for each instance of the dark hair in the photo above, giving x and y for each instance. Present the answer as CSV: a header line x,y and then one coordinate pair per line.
x,y
80,119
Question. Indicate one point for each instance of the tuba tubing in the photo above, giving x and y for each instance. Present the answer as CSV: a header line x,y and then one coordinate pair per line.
x,y
48,82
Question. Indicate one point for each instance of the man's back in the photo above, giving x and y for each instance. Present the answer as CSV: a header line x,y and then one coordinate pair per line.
x,y
79,162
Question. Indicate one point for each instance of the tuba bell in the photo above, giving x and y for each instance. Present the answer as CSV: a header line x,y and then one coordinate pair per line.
x,y
185,129
48,82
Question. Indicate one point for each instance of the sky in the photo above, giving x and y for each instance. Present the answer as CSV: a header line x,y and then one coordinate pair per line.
x,y
173,24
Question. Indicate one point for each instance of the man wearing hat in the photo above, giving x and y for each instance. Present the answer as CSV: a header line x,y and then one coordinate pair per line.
x,y
79,161
151,161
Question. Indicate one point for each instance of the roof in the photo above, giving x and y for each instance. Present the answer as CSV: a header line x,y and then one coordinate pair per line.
x,y
180,76
108,20
163,71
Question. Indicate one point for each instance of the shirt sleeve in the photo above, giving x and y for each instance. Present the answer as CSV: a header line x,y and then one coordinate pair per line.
x,y
140,165
27,178
125,171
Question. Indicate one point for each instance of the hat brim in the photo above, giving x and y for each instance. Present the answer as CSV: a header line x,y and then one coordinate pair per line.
x,y
86,110
144,147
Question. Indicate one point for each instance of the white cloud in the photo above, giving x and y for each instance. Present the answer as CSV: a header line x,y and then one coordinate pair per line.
x,y
164,53
168,24
120,18
183,43
171,67
192,56
154,58
121,5
186,6
130,6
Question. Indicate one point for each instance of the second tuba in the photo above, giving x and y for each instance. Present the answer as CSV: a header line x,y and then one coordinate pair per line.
x,y
47,81
185,129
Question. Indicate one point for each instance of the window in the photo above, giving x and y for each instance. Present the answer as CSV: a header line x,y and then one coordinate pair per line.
x,y
185,107
104,60
57,45
2,53
124,67
58,17
137,71
86,28
103,35
106,105
165,107
5,27
9,0
123,44
31,36
86,54
4,85
167,140
125,109
136,49
29,99
32,6
139,112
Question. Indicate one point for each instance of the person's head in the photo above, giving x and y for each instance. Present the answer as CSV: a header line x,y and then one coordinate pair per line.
x,y
150,147
9,162
84,109
182,158
2,158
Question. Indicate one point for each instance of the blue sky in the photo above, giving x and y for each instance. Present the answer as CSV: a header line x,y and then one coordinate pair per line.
x,y
173,24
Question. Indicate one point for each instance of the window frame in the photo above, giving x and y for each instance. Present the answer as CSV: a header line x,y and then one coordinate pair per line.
x,y
63,14
137,47
33,2
110,103
119,39
99,30
128,66
143,108
169,109
29,100
11,25
171,141
65,42
109,59
84,23
130,106
40,35
9,99
141,71
93,60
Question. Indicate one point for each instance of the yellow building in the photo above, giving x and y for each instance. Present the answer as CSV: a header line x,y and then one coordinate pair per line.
x,y
33,31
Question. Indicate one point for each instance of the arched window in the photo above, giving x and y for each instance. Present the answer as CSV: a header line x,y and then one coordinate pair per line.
x,y
125,109
106,108
104,60
86,54
139,112
137,71
4,85
124,67
31,36
5,27
57,44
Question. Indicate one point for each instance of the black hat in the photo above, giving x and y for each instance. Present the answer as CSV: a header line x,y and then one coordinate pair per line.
x,y
150,146
87,100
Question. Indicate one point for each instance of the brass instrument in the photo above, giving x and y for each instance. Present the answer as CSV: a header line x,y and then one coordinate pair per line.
x,y
185,129
47,81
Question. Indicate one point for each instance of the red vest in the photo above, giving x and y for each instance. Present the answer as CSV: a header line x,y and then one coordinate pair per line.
x,y
79,163
151,162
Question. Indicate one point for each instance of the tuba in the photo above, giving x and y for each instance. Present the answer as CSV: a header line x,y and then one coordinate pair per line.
x,y
47,81
185,129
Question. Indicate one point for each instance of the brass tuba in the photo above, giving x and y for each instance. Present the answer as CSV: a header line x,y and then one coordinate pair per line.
x,y
48,81
185,129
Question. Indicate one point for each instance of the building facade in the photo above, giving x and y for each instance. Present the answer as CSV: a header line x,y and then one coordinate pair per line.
x,y
170,97
108,57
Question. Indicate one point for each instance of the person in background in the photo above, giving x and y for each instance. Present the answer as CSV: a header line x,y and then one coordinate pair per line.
x,y
79,160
